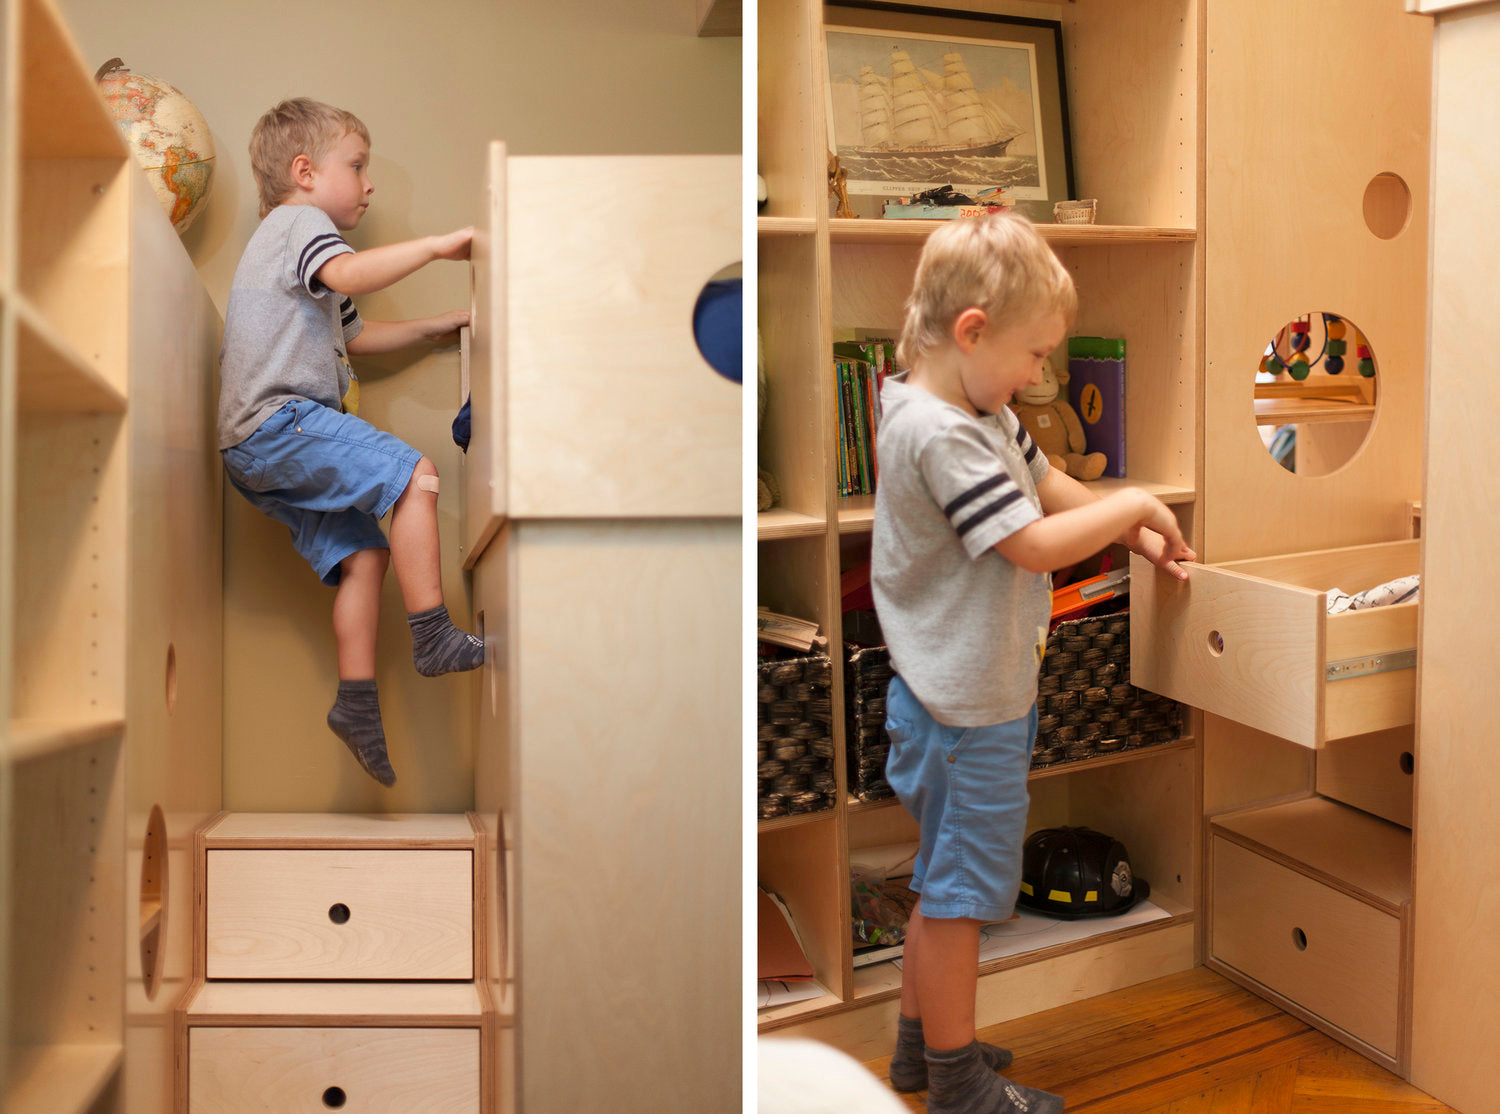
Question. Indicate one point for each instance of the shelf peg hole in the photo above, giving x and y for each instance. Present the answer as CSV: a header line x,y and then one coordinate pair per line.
x,y
1408,762
1215,643
339,913
334,1097
1299,939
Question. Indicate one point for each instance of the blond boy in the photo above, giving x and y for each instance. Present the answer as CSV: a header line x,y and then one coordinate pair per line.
x,y
288,432
969,522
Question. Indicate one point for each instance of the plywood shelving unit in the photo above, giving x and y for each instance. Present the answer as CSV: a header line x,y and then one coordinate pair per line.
x,y
109,572
821,278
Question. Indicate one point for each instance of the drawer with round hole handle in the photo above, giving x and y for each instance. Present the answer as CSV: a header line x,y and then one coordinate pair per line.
x,y
340,914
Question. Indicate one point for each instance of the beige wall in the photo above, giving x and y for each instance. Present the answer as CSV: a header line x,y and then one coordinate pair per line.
x,y
434,83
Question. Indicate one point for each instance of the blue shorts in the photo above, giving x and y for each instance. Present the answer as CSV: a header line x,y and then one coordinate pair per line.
x,y
966,787
327,476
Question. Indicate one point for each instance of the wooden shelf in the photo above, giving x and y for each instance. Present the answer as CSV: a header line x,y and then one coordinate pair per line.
x,y
778,523
60,1078
793,1011
32,738
53,376
719,18
1342,847
878,231
785,226
857,512
298,1004
778,823
1305,411
1037,773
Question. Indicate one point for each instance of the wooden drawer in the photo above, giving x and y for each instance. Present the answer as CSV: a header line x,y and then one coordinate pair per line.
x,y
1252,641
1331,953
340,914
311,1071
1371,772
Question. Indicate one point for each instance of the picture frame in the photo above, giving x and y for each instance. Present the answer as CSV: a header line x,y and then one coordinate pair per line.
x,y
904,119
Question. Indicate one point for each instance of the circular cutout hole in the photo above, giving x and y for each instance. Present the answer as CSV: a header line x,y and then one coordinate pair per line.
x,y
171,678
1315,393
717,324
1215,643
1299,939
1387,205
153,901
1408,762
338,914
334,1097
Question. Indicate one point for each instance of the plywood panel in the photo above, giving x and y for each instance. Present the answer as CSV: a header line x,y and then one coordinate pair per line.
x,y
1288,237
1457,1004
612,409
627,765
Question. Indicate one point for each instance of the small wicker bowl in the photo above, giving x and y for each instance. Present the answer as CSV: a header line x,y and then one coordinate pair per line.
x,y
1075,212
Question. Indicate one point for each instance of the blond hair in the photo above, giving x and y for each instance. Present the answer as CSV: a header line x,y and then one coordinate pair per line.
x,y
999,263
300,126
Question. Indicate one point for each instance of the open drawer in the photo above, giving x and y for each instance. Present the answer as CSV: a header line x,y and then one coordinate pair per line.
x,y
1252,641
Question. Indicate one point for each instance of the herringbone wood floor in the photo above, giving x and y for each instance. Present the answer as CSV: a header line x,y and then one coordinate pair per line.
x,y
1193,1043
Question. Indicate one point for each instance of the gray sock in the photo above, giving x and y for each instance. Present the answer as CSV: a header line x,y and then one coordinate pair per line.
x,y
908,1070
355,718
961,1083
438,647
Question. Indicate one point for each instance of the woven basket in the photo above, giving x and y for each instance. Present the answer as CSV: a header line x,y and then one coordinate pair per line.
x,y
795,736
1075,212
1086,705
867,673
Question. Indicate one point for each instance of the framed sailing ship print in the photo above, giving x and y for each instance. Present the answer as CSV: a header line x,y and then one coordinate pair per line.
x,y
948,104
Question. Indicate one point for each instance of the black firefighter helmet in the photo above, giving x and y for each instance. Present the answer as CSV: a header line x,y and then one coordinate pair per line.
x,y
1078,872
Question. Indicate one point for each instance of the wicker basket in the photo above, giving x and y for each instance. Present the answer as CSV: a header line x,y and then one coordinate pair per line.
x,y
795,736
1086,705
867,672
1075,212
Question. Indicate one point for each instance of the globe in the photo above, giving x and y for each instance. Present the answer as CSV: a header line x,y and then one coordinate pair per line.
x,y
168,136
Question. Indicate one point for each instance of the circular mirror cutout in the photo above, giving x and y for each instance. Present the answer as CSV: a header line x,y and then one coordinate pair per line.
x,y
1316,391
1387,206
716,321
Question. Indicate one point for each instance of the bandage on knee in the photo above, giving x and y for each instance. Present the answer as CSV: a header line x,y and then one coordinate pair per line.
x,y
428,483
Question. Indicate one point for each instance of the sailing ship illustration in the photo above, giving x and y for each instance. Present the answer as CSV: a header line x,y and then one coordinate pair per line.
x,y
916,112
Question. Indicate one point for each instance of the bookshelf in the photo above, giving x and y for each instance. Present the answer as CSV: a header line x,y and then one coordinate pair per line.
x,y
110,581
823,278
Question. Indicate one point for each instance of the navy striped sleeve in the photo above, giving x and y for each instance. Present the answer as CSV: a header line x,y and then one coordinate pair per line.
x,y
317,251
350,319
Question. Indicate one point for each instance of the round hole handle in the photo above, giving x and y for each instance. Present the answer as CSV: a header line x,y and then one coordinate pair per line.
x,y
334,1097
1299,939
338,914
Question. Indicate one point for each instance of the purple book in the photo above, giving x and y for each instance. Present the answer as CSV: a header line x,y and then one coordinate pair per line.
x,y
1096,388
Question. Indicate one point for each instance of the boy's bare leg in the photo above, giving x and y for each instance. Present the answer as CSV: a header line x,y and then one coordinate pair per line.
x,y
908,1070
414,542
355,715
356,612
438,646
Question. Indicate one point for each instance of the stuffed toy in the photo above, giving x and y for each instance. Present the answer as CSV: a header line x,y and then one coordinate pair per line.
x,y
1054,425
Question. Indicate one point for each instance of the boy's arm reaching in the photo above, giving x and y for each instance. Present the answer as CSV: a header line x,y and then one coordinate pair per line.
x,y
364,272
1078,524
389,336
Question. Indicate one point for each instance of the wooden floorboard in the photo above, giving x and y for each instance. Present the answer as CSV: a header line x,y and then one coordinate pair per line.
x,y
1191,1043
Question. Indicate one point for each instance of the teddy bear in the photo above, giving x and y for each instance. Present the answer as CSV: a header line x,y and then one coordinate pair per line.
x,y
1054,425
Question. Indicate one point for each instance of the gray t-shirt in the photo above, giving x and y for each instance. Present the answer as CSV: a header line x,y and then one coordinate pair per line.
x,y
965,626
286,335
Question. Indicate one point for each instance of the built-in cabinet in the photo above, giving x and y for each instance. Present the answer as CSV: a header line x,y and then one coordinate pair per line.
x,y
601,520
1137,147
1240,189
